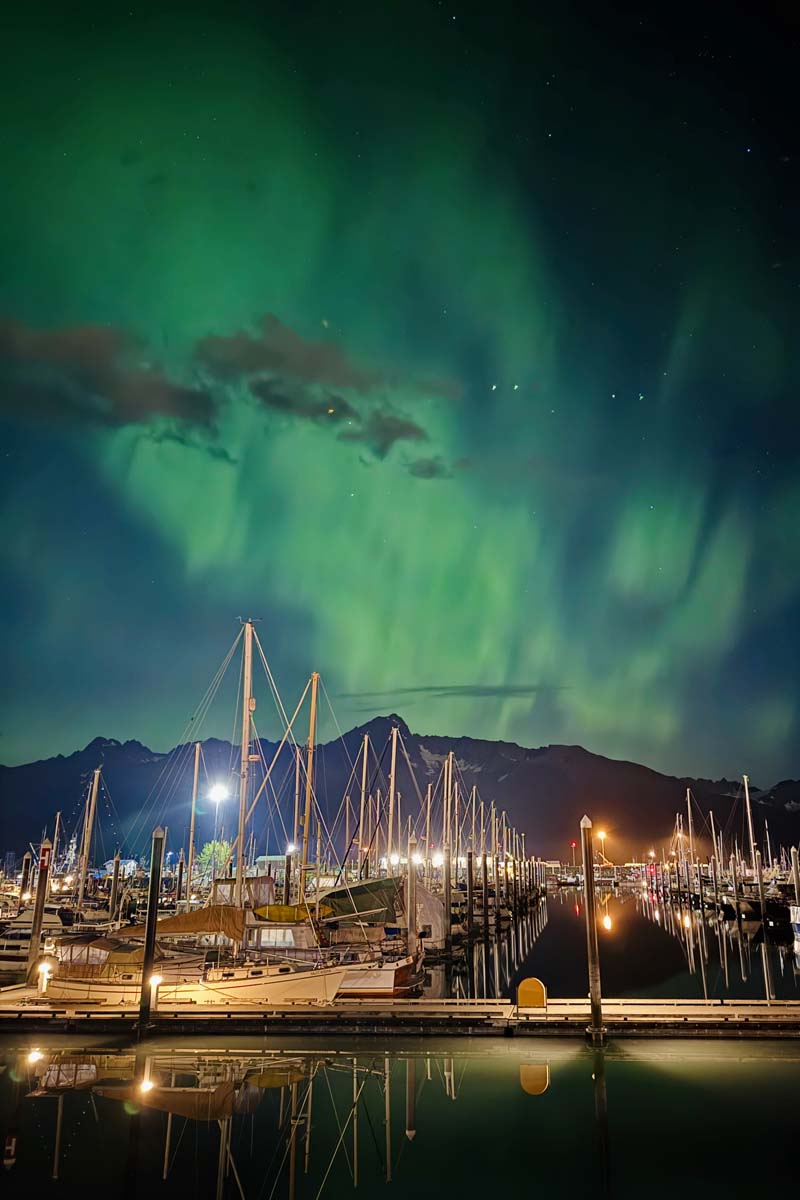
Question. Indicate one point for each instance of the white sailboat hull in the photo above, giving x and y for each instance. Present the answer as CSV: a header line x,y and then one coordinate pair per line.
x,y
237,986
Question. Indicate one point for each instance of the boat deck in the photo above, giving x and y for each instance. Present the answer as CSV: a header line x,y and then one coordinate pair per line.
x,y
22,1008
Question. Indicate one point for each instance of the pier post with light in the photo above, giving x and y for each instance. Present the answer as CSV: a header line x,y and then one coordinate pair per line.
x,y
113,897
38,910
146,992
596,1032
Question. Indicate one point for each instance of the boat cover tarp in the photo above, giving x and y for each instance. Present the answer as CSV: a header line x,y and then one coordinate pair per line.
x,y
90,950
277,1075
217,918
291,914
198,1104
381,898
259,890
430,912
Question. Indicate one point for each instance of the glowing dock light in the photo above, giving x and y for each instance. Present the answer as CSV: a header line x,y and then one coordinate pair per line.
x,y
35,1056
218,793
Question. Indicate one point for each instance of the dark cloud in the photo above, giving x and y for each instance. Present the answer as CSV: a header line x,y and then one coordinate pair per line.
x,y
298,402
88,373
381,429
276,347
429,468
447,691
191,441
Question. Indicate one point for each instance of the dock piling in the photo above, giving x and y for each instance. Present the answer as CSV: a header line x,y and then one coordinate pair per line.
x,y
470,895
38,911
595,1031
145,995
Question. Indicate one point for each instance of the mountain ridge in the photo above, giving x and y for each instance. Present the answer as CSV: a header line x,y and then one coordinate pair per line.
x,y
544,789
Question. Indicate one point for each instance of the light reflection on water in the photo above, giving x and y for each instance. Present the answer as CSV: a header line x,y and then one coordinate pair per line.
x,y
427,1118
647,949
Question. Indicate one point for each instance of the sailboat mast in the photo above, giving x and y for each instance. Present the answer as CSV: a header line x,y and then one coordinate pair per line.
x,y
296,821
190,864
392,772
750,823
691,836
428,793
247,712
87,835
312,733
364,761
53,853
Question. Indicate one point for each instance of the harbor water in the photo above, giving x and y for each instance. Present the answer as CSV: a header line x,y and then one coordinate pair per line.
x,y
647,950
257,1119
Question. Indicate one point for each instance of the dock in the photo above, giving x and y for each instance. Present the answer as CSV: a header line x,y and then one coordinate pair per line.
x,y
22,1010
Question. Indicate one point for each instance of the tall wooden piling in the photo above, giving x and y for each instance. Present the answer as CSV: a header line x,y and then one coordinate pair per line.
x,y
470,895
112,900
448,900
595,1031
38,909
26,876
156,858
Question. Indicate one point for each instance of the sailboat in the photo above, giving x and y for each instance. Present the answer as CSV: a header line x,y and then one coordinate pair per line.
x,y
109,971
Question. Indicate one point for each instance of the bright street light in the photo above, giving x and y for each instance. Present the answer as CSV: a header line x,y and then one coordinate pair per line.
x,y
290,849
35,1056
156,981
437,860
146,1085
218,793
606,921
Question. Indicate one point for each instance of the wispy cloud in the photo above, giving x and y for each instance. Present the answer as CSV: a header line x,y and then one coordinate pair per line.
x,y
298,402
430,468
469,691
89,374
274,347
382,429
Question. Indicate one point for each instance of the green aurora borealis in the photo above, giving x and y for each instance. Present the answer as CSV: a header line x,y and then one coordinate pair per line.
x,y
557,498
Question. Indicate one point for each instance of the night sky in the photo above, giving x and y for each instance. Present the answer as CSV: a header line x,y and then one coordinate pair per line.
x,y
458,343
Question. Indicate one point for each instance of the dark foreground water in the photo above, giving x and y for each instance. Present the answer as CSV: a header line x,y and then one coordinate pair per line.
x,y
432,1119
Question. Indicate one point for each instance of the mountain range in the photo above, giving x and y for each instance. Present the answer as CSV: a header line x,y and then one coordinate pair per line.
x,y
545,792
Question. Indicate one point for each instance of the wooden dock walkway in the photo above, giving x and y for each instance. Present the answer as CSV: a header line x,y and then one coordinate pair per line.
x,y
21,1009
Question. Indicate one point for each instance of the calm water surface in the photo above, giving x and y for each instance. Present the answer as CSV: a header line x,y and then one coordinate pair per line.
x,y
649,950
432,1119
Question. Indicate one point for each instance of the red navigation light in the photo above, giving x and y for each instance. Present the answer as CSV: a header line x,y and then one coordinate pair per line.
x,y
573,845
